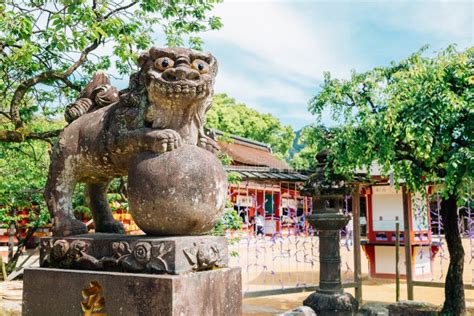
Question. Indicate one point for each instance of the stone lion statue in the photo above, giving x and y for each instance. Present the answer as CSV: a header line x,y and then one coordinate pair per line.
x,y
163,108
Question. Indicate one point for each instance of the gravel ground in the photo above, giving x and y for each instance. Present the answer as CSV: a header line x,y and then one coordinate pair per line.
x,y
374,290
10,298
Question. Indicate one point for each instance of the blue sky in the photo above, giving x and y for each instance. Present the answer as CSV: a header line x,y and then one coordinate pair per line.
x,y
272,54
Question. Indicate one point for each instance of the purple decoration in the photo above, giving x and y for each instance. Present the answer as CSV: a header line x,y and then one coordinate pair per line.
x,y
293,249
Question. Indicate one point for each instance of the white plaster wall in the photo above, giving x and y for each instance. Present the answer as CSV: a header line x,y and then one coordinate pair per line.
x,y
385,260
289,203
422,260
386,204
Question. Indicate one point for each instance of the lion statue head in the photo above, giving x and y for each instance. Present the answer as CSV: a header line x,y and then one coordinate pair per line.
x,y
178,81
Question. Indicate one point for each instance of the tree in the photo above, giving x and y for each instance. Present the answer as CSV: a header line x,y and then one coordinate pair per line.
x,y
306,147
49,49
238,119
416,119
24,167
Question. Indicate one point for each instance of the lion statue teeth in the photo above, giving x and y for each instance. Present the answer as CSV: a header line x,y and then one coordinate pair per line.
x,y
163,108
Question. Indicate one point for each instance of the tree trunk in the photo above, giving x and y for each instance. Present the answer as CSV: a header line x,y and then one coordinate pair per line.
x,y
11,265
11,239
454,303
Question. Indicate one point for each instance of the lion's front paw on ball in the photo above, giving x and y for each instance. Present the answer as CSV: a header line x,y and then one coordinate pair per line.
x,y
163,140
209,144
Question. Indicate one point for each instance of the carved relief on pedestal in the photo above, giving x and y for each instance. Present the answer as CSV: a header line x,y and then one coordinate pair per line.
x,y
204,257
140,256
68,255
144,257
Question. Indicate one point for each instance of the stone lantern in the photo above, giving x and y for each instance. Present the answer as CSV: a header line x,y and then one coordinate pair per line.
x,y
327,191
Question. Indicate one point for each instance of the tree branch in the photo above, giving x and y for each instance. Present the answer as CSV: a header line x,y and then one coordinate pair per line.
x,y
120,9
5,114
351,97
18,136
23,87
369,100
82,58
71,84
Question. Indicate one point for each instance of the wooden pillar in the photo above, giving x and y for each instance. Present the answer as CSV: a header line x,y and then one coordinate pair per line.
x,y
397,262
407,240
357,245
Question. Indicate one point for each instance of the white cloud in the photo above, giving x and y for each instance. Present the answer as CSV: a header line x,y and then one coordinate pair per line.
x,y
300,46
285,46
267,95
301,115
444,19
255,88
284,53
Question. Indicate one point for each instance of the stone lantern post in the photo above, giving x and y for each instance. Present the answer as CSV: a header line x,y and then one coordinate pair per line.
x,y
327,193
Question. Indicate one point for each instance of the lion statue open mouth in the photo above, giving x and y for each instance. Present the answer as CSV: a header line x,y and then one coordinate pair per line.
x,y
163,108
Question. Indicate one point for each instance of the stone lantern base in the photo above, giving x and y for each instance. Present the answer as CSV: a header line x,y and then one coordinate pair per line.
x,y
332,304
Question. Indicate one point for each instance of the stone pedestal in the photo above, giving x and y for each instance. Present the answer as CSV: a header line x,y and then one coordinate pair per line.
x,y
64,292
127,253
110,274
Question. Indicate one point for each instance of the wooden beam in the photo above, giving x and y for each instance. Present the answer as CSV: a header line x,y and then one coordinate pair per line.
x,y
407,239
439,284
289,290
357,245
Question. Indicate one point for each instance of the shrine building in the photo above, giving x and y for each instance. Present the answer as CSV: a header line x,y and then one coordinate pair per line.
x,y
268,190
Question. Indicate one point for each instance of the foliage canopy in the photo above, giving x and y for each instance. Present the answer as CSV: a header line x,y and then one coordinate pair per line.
x,y
49,49
238,119
414,118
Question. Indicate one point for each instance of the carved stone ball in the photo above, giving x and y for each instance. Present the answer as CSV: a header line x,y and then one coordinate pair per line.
x,y
181,192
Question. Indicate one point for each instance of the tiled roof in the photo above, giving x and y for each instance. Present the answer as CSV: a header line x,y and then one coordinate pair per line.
x,y
264,173
253,160
251,155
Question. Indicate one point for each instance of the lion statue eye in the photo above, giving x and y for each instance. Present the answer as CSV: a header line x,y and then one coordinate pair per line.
x,y
163,63
201,66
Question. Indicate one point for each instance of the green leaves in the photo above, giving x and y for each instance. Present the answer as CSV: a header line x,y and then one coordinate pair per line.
x,y
23,175
235,118
415,118
24,169
41,37
230,220
45,36
215,23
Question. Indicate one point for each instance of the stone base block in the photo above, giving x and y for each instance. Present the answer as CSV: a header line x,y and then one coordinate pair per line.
x,y
343,304
138,254
69,292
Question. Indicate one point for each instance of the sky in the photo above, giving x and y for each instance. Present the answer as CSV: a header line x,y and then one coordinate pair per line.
x,y
273,54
